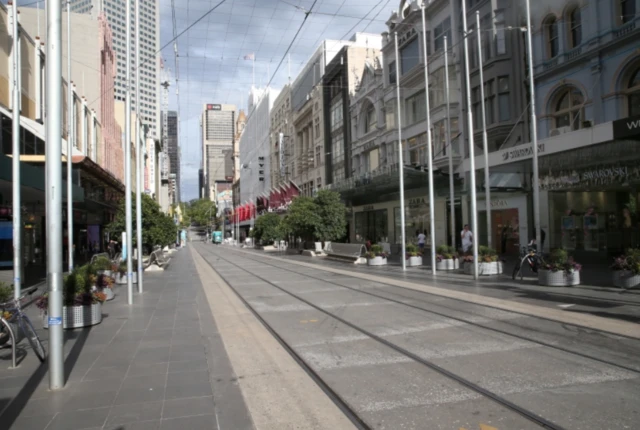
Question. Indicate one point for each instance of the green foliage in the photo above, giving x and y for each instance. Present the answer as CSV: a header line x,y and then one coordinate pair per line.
x,y
412,250
333,219
102,263
158,228
201,212
558,256
445,252
320,218
487,255
267,228
6,292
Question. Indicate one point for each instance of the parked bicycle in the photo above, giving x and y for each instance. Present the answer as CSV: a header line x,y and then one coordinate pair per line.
x,y
18,318
529,256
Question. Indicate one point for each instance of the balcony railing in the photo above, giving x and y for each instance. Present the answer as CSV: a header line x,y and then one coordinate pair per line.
x,y
624,30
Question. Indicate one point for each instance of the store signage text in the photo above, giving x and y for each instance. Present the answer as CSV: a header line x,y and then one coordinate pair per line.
x,y
416,203
610,175
606,174
367,208
515,154
628,127
499,204
214,107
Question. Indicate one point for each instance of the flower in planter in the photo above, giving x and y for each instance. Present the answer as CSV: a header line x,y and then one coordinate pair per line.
x,y
102,263
105,281
413,251
628,262
122,268
76,291
485,255
444,252
559,260
376,251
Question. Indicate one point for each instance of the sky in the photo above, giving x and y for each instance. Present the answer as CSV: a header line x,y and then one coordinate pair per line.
x,y
211,67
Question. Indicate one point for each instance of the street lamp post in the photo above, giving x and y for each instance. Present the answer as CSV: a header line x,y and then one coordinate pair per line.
x,y
15,162
485,143
400,159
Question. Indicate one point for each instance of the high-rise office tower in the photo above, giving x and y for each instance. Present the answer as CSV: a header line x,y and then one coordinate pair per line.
x,y
218,134
149,56
173,152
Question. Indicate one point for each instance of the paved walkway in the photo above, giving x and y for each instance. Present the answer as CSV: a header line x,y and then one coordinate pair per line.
x,y
159,364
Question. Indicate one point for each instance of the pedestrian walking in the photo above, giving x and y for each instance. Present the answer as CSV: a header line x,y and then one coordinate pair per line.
x,y
421,240
467,238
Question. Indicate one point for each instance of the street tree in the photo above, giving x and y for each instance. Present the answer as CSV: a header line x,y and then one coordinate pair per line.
x,y
333,216
201,212
267,228
302,219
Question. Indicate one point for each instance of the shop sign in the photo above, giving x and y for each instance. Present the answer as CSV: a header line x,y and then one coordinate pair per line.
x,y
417,203
526,152
367,208
627,127
607,175
496,204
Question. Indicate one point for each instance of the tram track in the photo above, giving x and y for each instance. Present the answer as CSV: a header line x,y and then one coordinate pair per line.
x,y
335,397
449,316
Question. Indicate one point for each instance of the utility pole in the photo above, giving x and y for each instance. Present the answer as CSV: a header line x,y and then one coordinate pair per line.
x,y
450,149
15,149
400,159
53,141
139,155
127,157
70,139
485,142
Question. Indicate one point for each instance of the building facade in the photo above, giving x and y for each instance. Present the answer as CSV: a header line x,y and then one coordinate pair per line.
x,y
173,152
281,133
115,13
218,136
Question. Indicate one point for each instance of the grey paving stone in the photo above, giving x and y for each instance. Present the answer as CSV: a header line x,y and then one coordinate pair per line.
x,y
133,413
197,422
140,389
188,407
77,420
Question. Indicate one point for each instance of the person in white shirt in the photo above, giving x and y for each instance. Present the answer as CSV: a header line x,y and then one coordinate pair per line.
x,y
421,240
467,238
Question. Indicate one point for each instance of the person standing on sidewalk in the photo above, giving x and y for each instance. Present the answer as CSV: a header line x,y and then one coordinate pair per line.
x,y
467,238
421,239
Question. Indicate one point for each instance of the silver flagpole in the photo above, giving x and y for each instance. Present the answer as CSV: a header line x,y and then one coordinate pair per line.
x,y
139,155
450,149
70,139
15,162
127,158
53,166
534,134
432,227
403,256
472,160
485,143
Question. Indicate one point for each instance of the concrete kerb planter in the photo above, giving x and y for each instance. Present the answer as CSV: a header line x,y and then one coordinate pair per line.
x,y
78,316
414,261
484,269
448,264
558,278
377,261
625,279
121,279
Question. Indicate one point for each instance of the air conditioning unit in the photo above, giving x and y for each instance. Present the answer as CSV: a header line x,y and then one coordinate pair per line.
x,y
560,130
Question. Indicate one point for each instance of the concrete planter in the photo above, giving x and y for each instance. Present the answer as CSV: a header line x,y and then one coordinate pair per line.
x,y
558,279
109,293
377,261
78,316
414,261
484,269
108,273
449,264
625,279
122,279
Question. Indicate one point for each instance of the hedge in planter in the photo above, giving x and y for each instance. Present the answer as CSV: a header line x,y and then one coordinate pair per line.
x,y
560,270
414,256
121,275
376,256
626,270
103,266
488,262
447,258
82,307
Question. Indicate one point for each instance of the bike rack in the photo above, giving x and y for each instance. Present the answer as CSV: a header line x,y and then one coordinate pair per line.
x,y
13,341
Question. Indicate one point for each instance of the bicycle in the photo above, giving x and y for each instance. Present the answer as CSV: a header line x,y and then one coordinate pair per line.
x,y
529,254
19,318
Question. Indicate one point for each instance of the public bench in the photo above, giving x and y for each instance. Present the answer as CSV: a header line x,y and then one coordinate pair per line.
x,y
159,259
352,252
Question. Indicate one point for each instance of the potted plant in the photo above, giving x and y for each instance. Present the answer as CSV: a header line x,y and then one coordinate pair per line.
x,y
560,270
103,266
105,286
447,258
82,307
121,275
414,256
6,295
376,256
626,269
488,262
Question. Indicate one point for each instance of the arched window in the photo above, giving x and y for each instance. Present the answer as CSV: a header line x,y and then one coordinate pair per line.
x,y
551,32
633,94
575,27
369,118
567,108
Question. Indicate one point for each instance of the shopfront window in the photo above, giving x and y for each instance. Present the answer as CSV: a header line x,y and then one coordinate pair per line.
x,y
371,225
416,220
567,109
633,95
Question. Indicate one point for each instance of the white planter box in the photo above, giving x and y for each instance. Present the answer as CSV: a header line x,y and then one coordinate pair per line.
x,y
450,264
558,279
109,293
108,273
78,316
484,269
625,279
122,279
414,261
377,261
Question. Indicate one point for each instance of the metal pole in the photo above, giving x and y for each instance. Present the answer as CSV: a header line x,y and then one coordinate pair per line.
x,y
139,155
127,157
450,149
485,143
534,134
403,256
472,160
53,166
15,162
70,139
432,227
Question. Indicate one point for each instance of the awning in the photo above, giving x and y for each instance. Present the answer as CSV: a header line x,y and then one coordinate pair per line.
x,y
506,180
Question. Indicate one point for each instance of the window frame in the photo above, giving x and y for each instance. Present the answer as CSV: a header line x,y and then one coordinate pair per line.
x,y
552,37
573,110
633,92
575,27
